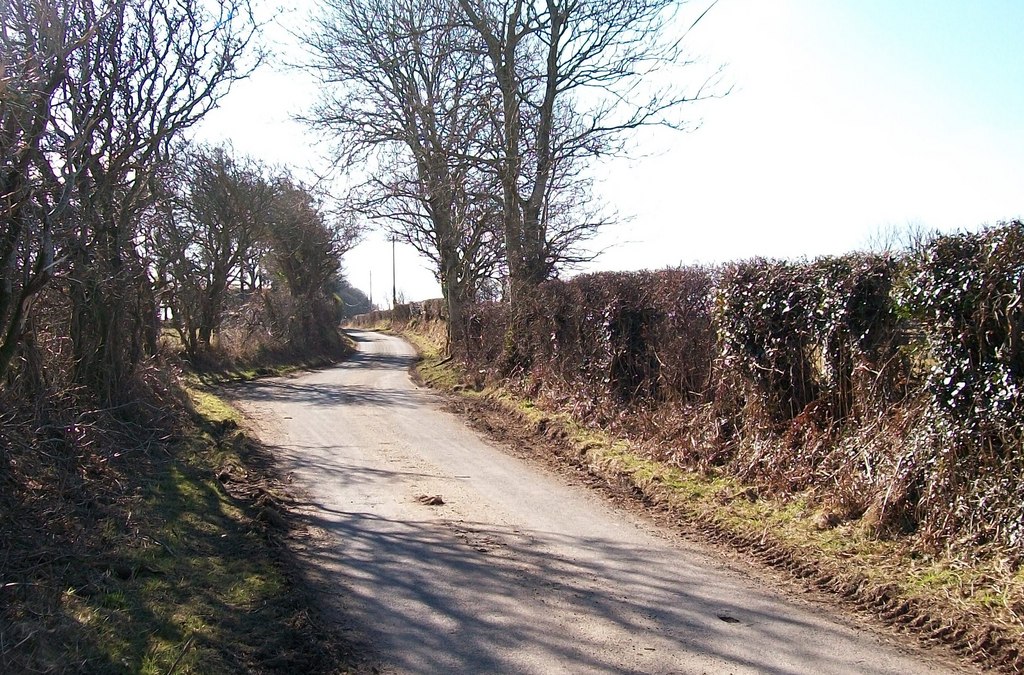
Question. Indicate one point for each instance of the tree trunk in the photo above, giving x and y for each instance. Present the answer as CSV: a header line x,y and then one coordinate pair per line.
x,y
108,317
19,282
457,299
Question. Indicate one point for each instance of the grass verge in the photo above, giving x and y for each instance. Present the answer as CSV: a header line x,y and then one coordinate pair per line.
x,y
224,368
159,556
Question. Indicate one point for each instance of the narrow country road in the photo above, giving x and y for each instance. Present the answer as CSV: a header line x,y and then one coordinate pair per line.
x,y
516,572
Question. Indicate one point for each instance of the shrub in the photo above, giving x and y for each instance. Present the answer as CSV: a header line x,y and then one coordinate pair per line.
x,y
967,296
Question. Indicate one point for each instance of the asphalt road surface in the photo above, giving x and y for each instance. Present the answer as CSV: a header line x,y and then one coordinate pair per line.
x,y
517,571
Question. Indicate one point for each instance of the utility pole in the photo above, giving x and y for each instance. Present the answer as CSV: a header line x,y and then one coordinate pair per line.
x,y
394,286
371,290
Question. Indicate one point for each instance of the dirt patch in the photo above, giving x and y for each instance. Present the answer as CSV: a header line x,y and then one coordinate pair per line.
x,y
545,440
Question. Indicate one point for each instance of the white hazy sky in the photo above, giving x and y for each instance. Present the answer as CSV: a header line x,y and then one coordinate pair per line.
x,y
846,117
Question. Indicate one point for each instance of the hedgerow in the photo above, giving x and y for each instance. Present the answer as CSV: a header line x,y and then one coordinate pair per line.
x,y
967,297
799,331
886,387
606,345
814,348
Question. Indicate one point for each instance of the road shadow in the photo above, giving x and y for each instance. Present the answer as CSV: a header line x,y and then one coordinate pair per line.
x,y
333,463
473,598
359,335
320,394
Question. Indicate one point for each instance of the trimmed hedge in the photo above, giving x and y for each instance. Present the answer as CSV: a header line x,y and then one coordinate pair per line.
x,y
800,332
967,294
428,310
604,342
891,387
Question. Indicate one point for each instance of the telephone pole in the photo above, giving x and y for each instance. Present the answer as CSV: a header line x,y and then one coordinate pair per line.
x,y
394,287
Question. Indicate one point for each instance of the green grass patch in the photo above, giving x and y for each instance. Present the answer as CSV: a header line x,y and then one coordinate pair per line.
x,y
433,373
190,583
183,592
211,408
163,569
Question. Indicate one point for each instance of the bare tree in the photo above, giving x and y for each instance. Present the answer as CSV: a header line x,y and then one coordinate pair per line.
x,y
208,235
37,39
149,70
403,92
468,255
573,77
305,250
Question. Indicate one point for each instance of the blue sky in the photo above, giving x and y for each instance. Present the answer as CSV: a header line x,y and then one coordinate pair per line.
x,y
846,117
